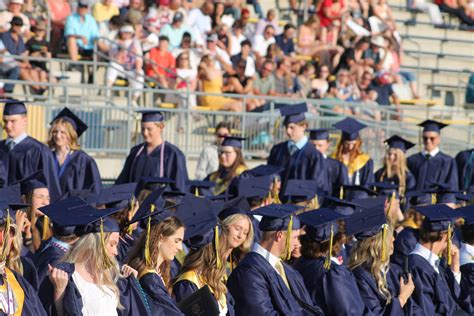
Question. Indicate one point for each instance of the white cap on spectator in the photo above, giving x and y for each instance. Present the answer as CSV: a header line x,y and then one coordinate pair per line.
x,y
212,37
17,1
127,29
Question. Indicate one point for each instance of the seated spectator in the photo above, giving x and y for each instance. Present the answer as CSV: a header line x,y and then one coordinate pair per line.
x,y
382,84
232,8
285,83
200,22
175,31
245,54
241,84
59,10
162,62
224,40
14,9
265,82
126,61
135,7
156,18
37,46
221,58
320,85
453,7
272,20
216,16
184,79
274,53
212,81
81,31
261,42
332,95
382,18
330,17
286,40
237,37
354,59
345,87
104,10
109,32
186,47
368,97
372,57
249,28
431,9
305,80
11,43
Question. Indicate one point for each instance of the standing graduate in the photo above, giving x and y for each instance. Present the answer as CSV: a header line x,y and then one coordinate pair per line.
x,y
25,154
155,157
437,289
465,165
466,259
359,165
262,284
395,168
297,156
337,171
431,165
76,170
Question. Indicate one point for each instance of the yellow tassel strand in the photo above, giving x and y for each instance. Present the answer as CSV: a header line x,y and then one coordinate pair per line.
x,y
433,198
341,193
276,198
315,203
147,242
108,262
450,232
384,242
45,228
390,202
327,263
216,244
288,238
196,192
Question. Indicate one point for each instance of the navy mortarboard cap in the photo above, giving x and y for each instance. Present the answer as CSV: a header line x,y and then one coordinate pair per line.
x,y
318,223
266,170
79,126
438,217
117,196
57,210
197,184
224,197
352,192
419,198
432,126
153,203
153,183
32,182
238,205
151,115
12,196
366,223
343,207
467,213
444,193
276,217
319,134
233,141
257,187
386,188
463,196
14,107
294,113
88,196
398,142
350,128
301,190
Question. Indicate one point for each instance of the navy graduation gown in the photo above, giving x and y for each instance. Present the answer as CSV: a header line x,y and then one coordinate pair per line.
x,y
28,157
124,246
467,288
438,169
334,290
337,173
371,296
410,181
305,164
404,244
465,165
29,272
79,172
50,254
175,268
139,164
32,304
435,293
159,299
259,290
133,298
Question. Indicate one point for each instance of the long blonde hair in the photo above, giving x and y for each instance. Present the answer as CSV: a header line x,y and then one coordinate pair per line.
x,y
367,253
87,251
399,169
71,132
240,252
13,258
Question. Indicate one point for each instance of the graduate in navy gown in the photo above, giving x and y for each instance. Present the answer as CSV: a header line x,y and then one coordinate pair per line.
x,y
437,289
360,167
71,288
395,168
299,158
431,165
155,157
76,170
262,284
337,171
466,259
23,155
330,283
381,285
465,165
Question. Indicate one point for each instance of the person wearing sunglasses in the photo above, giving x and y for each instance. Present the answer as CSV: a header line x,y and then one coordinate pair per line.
x,y
431,165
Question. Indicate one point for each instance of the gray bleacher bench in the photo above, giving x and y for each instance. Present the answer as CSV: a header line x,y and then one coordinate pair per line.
x,y
413,12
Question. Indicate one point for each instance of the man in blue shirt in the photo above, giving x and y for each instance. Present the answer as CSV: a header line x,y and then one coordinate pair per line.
x,y
81,31
11,43
285,40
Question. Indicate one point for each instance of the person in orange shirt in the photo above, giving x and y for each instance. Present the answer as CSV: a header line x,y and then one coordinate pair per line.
x,y
162,62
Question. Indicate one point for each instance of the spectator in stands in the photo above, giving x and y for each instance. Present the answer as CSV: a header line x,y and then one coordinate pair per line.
x,y
382,84
183,79
221,57
286,40
453,7
261,42
274,53
330,16
237,37
242,84
161,62
186,47
224,40
81,31
11,44
208,161
232,8
305,80
175,31
249,28
218,13
134,7
212,81
245,54
285,83
271,19
200,22
344,85
59,10
126,61
332,96
103,11
109,32
431,9
372,57
156,18
382,17
14,9
265,82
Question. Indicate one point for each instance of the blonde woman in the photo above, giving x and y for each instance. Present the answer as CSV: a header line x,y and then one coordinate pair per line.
x,y
395,168
381,284
75,169
359,165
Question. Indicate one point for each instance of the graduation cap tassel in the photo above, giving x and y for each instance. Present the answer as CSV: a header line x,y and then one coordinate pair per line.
x,y
108,263
196,192
327,262
315,203
216,244
288,238
147,242
45,228
433,198
390,202
341,193
132,205
450,232
384,242
276,198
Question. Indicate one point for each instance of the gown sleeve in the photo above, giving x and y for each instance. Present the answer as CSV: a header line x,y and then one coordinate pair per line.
x,y
127,168
183,289
367,173
132,298
29,272
159,296
32,304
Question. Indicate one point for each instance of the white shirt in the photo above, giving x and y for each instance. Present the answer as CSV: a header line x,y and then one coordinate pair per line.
x,y
432,259
432,153
207,163
235,43
260,44
466,254
97,301
18,139
200,24
271,258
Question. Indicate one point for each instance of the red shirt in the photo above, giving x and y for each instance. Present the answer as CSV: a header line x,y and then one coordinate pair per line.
x,y
162,61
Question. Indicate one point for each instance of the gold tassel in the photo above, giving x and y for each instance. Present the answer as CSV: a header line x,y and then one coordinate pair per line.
x,y
108,262
288,238
433,198
276,198
45,228
327,263
196,192
315,203
450,232
276,125
384,242
147,242
216,244
341,193
6,240
390,202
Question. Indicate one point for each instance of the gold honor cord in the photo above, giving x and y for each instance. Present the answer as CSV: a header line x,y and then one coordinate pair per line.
x,y
327,262
45,228
450,232
288,238
216,244
384,242
108,262
147,242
